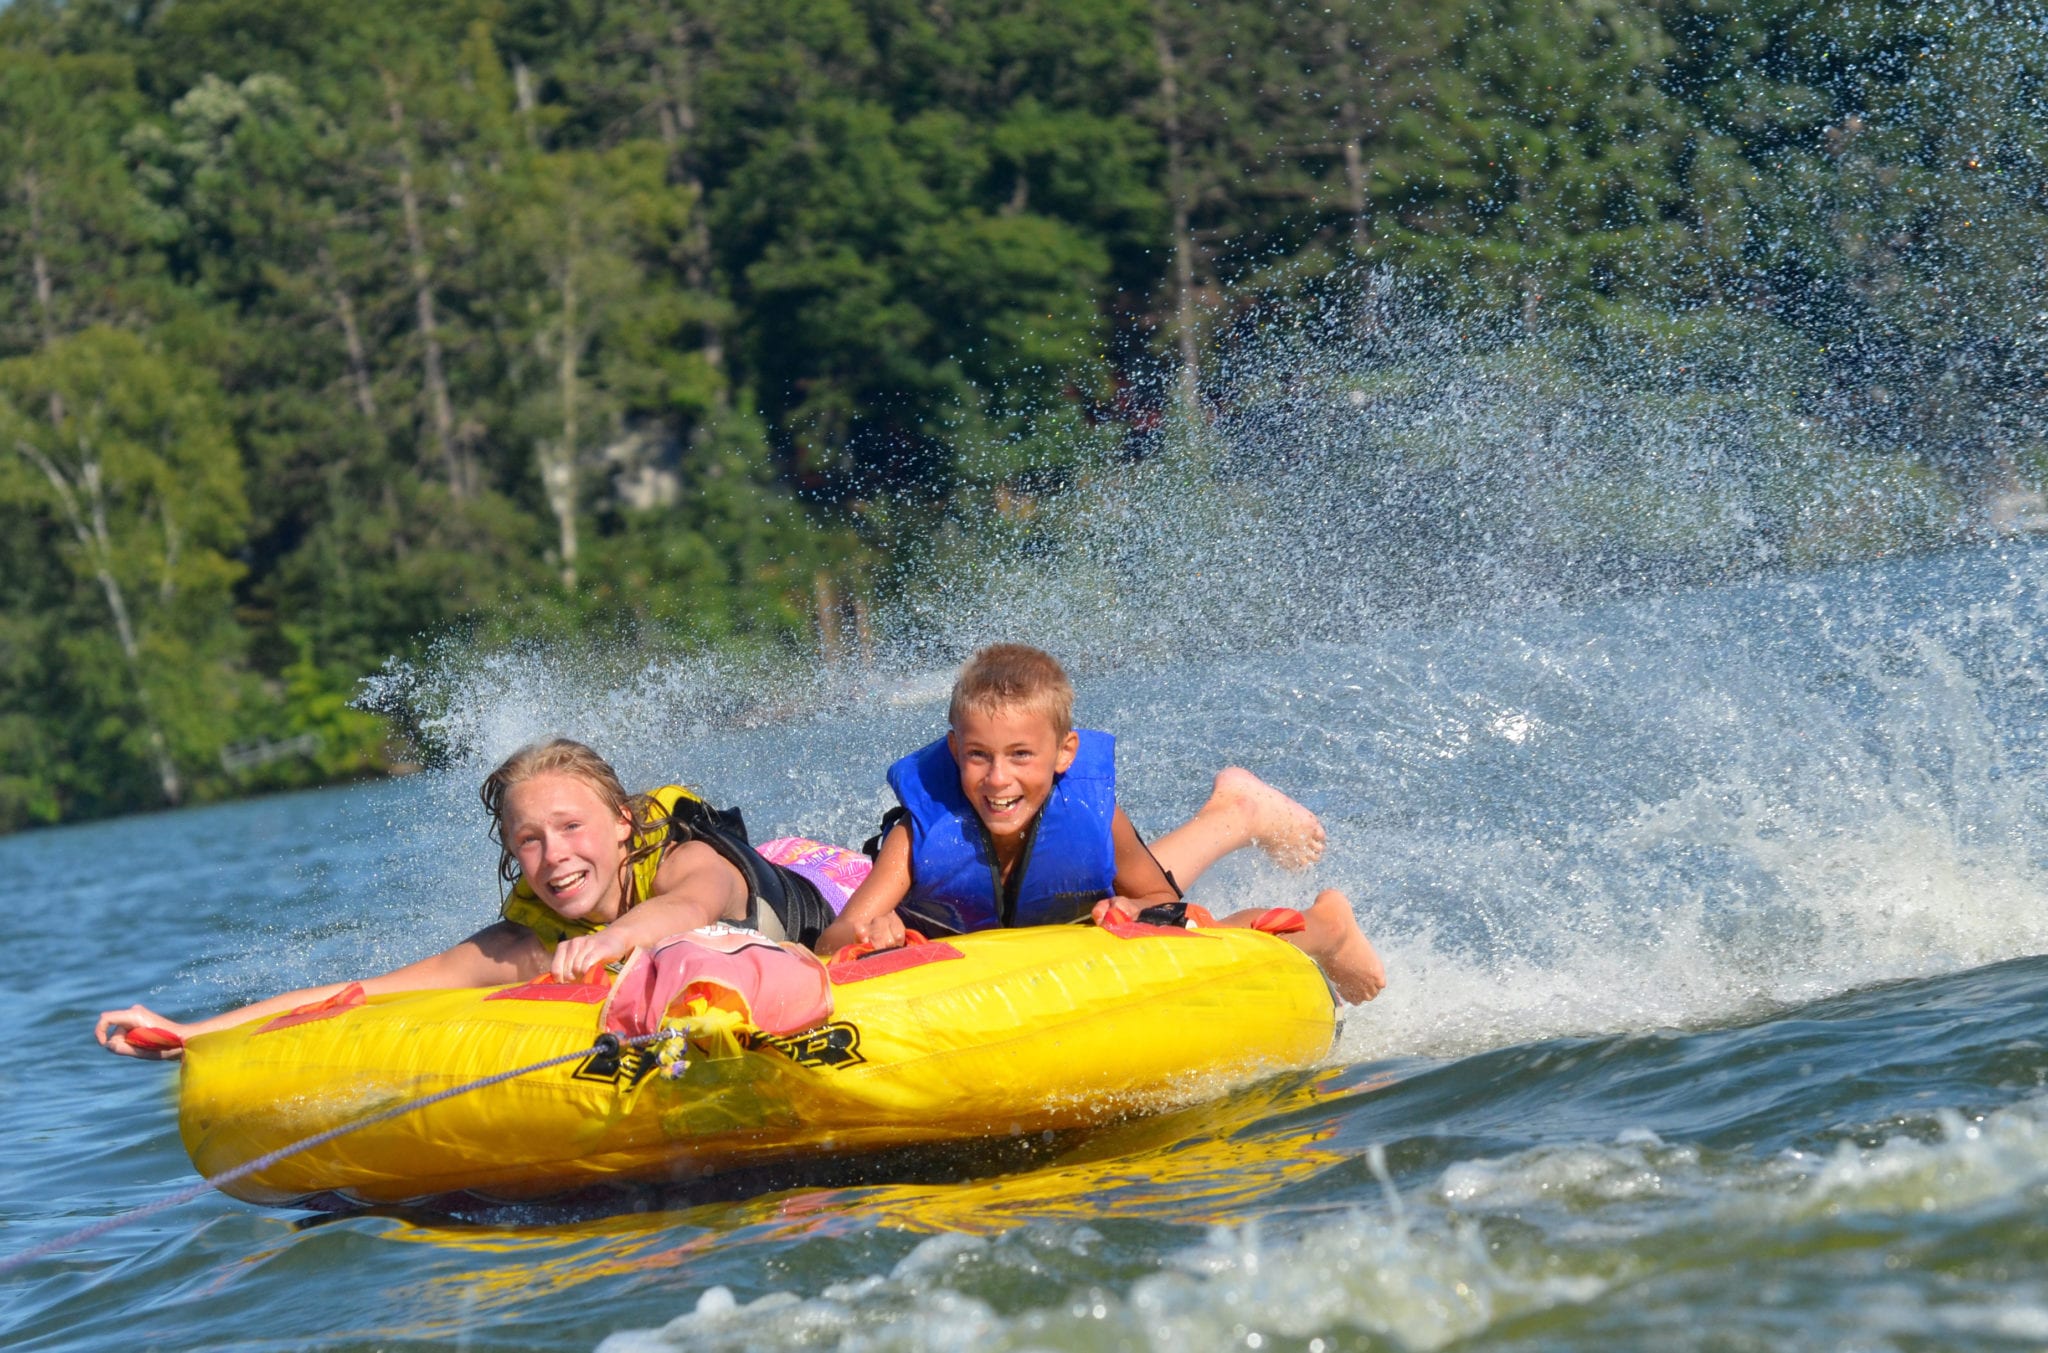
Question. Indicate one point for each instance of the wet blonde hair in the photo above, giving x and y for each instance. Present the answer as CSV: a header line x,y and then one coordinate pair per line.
x,y
1014,676
561,756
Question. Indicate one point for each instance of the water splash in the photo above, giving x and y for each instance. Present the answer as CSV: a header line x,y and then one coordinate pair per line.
x,y
1536,629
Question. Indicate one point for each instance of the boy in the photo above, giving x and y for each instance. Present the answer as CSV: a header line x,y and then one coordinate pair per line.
x,y
1011,819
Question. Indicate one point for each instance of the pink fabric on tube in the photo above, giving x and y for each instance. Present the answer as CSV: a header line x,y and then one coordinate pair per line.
x,y
780,989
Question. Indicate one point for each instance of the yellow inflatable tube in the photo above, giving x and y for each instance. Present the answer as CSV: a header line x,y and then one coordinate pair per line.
x,y
1015,1031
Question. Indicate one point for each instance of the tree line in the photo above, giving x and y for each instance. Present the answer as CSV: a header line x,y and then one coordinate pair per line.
x,y
329,328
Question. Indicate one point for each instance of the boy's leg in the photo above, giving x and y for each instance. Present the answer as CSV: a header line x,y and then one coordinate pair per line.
x,y
1335,942
1242,810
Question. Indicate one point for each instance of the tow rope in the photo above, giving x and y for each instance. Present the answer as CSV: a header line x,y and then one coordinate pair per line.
x,y
606,1044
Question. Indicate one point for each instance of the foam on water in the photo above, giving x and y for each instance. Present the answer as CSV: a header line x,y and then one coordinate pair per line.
x,y
1236,1290
1555,1229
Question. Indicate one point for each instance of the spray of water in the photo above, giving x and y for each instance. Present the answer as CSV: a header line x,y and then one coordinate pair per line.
x,y
1554,635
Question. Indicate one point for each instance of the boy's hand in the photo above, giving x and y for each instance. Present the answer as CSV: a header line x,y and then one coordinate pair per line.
x,y
883,932
1115,909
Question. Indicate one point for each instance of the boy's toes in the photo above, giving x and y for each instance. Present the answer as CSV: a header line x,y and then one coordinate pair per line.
x,y
1289,833
1297,850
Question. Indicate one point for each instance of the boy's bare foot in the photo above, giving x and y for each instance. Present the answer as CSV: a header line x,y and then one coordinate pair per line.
x,y
1341,949
1289,833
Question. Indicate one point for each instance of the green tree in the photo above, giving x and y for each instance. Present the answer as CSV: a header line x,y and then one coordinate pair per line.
x,y
1897,192
575,286
267,209
1560,161
915,239
38,750
76,246
147,488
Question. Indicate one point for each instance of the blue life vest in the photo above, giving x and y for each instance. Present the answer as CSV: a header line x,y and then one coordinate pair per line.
x,y
1069,861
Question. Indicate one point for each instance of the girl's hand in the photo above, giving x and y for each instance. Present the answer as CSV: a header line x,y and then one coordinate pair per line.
x,y
587,953
115,1026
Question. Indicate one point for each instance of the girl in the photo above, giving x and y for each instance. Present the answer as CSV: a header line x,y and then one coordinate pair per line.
x,y
597,873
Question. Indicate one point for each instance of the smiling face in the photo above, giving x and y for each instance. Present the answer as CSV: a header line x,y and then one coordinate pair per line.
x,y
1008,757
570,847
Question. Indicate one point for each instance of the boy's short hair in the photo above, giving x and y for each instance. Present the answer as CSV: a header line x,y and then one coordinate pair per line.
x,y
1005,676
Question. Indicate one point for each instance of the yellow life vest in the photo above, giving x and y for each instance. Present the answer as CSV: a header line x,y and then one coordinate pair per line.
x,y
523,907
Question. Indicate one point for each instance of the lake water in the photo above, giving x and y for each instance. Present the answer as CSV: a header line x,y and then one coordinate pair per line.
x,y
1718,1015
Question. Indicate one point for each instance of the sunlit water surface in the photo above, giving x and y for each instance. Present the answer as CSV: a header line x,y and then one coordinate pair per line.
x,y
1716,1017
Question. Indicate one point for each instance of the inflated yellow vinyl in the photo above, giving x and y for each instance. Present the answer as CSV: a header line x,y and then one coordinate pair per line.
x,y
1048,1028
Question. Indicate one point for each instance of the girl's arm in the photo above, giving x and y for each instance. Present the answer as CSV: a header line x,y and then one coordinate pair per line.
x,y
496,955
694,886
1140,881
870,914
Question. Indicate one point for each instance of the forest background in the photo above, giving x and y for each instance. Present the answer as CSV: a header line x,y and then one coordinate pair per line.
x,y
332,329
